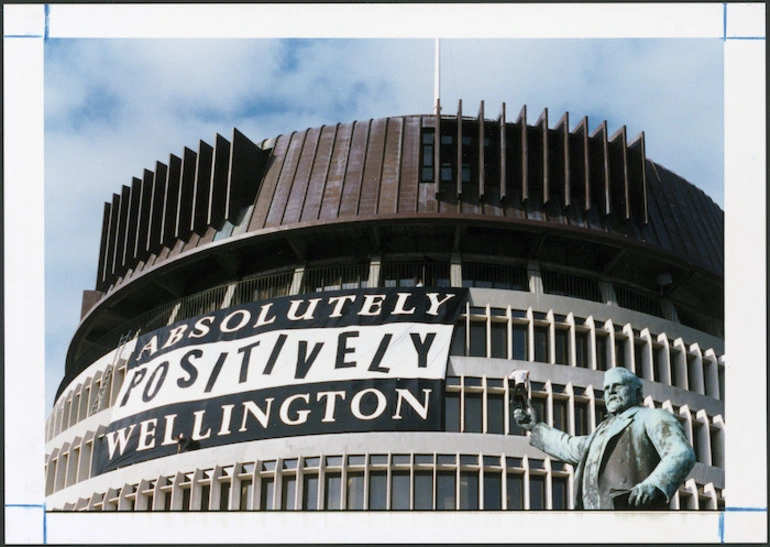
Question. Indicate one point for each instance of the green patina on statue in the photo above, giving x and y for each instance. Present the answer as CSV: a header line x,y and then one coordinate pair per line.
x,y
635,459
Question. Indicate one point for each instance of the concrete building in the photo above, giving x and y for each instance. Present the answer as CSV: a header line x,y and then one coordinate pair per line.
x,y
575,253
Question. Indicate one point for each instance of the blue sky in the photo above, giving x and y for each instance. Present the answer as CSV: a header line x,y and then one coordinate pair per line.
x,y
115,107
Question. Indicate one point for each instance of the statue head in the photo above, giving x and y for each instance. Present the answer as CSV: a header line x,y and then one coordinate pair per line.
x,y
622,390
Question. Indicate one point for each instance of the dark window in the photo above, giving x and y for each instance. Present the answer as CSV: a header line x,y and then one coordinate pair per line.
x,y
562,346
166,501
423,490
355,493
478,339
538,402
541,344
495,413
333,491
601,352
247,488
495,276
499,338
536,492
186,499
659,356
493,490
581,418
559,493
473,413
399,489
224,496
515,494
288,492
445,490
692,371
620,352
458,339
452,412
310,492
581,349
638,351
560,414
426,172
697,445
378,486
469,490
205,497
520,342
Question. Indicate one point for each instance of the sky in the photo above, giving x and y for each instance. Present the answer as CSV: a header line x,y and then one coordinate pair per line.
x,y
113,107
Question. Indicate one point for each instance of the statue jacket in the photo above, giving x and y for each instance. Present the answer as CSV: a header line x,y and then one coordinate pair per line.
x,y
640,445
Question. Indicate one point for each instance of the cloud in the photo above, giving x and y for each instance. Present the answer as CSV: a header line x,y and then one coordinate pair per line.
x,y
115,107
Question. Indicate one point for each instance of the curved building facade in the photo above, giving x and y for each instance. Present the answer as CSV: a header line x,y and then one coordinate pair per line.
x,y
329,319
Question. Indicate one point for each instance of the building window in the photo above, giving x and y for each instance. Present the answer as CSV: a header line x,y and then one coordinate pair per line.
x,y
561,341
469,490
426,165
495,276
457,346
576,286
493,490
581,418
378,490
601,352
559,493
520,347
452,412
247,490
333,278
399,488
541,344
499,340
289,492
423,490
445,490
495,413
536,491
333,491
310,492
478,339
355,493
473,413
581,349
560,414
410,274
515,491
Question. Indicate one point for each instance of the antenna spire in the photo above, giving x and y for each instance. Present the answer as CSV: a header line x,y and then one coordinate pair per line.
x,y
437,79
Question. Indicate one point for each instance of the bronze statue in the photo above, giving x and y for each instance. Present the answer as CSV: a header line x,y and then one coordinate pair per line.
x,y
636,458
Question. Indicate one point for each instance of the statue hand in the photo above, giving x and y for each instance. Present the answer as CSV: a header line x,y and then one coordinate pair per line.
x,y
644,495
526,418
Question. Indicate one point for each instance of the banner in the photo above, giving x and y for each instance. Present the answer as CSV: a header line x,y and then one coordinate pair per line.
x,y
343,361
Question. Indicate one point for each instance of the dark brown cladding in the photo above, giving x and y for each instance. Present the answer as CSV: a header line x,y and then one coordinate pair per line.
x,y
413,166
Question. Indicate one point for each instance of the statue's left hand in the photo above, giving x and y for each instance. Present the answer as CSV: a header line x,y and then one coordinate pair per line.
x,y
643,495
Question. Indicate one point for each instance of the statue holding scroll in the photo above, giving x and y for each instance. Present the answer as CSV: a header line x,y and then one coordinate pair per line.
x,y
635,459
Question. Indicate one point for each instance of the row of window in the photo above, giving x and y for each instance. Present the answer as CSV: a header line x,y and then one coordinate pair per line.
x,y
399,482
474,405
548,337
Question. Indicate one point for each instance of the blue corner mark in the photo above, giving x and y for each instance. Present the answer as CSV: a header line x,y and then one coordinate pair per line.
x,y
735,510
34,506
47,11
725,37
724,21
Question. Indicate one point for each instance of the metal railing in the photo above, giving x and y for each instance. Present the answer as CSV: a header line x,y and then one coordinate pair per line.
x,y
413,274
495,276
333,278
638,300
564,284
